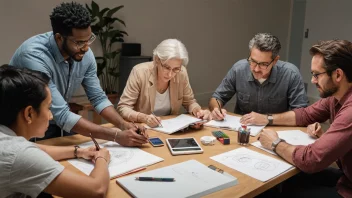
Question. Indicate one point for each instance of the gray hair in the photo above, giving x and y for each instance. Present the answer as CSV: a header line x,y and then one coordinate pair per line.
x,y
171,48
266,42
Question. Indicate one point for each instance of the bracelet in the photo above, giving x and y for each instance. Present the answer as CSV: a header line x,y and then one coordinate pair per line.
x,y
115,136
75,151
100,157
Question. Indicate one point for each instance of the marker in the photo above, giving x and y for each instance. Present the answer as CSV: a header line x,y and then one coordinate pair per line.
x,y
161,179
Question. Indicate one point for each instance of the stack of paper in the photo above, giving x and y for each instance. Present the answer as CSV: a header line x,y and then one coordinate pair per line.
x,y
294,137
192,179
233,123
122,159
173,125
253,164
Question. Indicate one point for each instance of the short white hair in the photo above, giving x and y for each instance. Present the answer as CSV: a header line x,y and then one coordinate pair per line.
x,y
171,48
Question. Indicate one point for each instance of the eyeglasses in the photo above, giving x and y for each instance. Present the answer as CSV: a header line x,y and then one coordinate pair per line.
x,y
81,44
317,74
168,68
262,65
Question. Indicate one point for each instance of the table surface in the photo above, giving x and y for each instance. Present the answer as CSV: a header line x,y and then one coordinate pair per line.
x,y
246,187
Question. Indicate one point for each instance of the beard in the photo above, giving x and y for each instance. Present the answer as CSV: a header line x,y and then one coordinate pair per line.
x,y
328,91
71,53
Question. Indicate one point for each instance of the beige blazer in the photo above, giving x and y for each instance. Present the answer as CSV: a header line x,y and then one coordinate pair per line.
x,y
139,93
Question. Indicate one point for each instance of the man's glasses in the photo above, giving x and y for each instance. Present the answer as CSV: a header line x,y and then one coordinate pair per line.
x,y
262,65
81,44
168,69
317,74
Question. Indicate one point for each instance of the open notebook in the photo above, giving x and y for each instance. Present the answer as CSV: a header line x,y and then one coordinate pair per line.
x,y
192,179
122,159
233,123
294,137
173,125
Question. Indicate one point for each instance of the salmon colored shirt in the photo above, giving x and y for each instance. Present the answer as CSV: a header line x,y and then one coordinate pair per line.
x,y
334,145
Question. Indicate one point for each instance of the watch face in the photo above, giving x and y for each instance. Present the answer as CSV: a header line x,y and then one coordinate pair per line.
x,y
270,117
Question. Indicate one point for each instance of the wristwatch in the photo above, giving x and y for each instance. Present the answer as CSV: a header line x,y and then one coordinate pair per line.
x,y
270,119
75,151
275,143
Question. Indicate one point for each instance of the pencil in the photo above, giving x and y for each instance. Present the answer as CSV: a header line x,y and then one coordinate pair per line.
x,y
160,125
95,142
138,129
219,107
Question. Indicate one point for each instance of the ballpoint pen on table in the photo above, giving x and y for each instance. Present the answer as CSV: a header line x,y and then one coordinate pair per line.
x,y
155,179
219,108
160,125
95,142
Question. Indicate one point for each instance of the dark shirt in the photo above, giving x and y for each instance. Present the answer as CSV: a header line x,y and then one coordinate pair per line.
x,y
334,145
282,91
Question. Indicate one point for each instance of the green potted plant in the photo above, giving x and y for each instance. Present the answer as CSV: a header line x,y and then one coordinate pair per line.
x,y
104,27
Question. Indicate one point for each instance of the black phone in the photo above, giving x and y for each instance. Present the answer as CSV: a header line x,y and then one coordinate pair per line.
x,y
155,141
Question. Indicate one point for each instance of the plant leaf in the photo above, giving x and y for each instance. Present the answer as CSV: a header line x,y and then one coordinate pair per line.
x,y
95,9
89,10
102,12
112,11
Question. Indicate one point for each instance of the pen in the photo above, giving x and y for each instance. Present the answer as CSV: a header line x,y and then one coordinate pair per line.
x,y
219,107
155,179
95,142
160,125
138,129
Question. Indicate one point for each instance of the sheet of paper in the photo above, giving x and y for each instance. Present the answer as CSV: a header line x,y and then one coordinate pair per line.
x,y
233,123
175,124
123,159
253,164
294,137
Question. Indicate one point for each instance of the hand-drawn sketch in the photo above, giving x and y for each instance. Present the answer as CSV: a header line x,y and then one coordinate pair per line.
x,y
252,162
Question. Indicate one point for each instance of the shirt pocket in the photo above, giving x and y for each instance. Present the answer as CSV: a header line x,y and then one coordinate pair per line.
x,y
76,83
243,102
243,97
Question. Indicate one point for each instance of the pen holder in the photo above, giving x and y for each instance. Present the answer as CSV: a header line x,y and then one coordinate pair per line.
x,y
243,137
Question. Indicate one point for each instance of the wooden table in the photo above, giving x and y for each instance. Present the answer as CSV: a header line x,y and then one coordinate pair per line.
x,y
246,187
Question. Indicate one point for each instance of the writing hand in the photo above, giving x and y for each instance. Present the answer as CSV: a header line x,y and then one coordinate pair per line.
x,y
204,114
130,138
315,130
217,115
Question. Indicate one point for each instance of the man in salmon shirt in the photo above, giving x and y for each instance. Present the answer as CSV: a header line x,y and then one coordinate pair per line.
x,y
331,69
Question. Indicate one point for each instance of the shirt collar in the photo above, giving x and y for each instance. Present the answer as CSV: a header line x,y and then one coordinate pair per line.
x,y
55,50
272,76
346,96
7,131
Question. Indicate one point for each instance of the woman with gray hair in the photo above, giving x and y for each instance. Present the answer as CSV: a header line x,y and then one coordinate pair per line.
x,y
160,87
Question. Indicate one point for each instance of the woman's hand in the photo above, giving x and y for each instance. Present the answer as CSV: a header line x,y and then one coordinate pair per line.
x,y
204,114
152,120
86,153
102,153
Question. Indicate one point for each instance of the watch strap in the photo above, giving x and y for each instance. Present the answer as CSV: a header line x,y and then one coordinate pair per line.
x,y
75,151
275,143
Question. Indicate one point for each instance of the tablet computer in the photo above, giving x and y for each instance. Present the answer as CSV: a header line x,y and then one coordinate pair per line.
x,y
181,146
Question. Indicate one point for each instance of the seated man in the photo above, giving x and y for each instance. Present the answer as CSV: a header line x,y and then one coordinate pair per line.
x,y
262,83
64,55
332,74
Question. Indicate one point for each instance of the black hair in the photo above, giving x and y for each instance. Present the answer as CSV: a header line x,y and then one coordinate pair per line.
x,y
336,54
20,88
67,16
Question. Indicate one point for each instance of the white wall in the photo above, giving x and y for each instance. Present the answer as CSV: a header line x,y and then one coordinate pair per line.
x,y
215,32
326,20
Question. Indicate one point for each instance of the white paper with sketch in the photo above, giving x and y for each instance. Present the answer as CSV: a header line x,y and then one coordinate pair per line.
x,y
233,123
192,179
252,163
122,159
294,137
173,125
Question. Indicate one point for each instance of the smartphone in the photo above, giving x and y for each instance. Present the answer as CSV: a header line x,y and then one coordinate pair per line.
x,y
155,141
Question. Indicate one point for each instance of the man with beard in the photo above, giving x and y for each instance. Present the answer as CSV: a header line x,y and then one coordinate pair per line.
x,y
64,55
262,83
331,68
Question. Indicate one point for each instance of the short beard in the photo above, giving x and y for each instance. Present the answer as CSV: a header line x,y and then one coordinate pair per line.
x,y
69,52
329,91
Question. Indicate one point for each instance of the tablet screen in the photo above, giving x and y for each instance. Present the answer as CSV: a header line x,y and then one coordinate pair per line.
x,y
181,143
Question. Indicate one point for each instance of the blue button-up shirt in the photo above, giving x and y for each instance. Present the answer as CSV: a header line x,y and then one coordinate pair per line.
x,y
282,91
41,53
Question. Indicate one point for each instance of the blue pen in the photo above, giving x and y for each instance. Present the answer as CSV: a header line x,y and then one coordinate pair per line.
x,y
155,179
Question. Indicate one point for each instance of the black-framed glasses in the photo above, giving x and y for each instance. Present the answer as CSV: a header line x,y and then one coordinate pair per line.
x,y
317,74
262,65
81,44
168,68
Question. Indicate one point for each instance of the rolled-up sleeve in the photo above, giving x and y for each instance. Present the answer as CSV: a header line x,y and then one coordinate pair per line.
x,y
91,85
317,112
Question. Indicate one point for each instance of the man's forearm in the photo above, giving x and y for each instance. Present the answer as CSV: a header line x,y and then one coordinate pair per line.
x,y
285,151
288,119
84,127
213,104
111,115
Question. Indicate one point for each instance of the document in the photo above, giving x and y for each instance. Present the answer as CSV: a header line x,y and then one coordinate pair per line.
x,y
233,123
253,164
173,125
122,159
191,179
294,137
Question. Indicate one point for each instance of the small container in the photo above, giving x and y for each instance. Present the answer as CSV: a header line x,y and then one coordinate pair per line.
x,y
243,135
